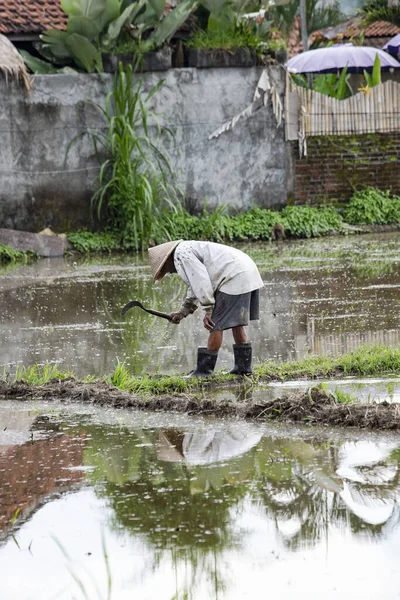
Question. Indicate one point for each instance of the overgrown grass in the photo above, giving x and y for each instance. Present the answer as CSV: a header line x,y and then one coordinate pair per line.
x,y
367,207
218,226
137,195
9,255
222,40
365,360
89,241
373,207
39,374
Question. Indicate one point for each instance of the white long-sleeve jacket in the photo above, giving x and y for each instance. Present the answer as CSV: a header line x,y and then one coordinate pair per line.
x,y
207,267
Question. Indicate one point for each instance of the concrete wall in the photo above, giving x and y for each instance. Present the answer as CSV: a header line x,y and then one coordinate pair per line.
x,y
40,187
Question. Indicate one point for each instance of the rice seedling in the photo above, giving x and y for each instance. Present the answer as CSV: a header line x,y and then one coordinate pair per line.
x,y
40,374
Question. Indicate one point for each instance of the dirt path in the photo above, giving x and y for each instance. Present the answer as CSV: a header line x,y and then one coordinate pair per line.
x,y
314,407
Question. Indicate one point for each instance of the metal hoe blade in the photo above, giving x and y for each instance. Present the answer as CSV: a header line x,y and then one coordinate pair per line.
x,y
134,303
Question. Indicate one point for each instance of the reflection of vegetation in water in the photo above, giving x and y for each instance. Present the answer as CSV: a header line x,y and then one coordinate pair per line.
x,y
190,509
141,338
176,507
10,259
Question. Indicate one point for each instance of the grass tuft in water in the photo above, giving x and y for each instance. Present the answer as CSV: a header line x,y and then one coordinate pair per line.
x,y
9,255
338,395
365,360
40,374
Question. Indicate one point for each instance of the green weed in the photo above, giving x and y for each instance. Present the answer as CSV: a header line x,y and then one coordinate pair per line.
x,y
373,207
89,241
40,374
370,206
9,255
338,395
365,360
308,221
223,40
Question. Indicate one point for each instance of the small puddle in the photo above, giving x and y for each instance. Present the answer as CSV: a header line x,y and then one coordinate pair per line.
x,y
192,508
368,390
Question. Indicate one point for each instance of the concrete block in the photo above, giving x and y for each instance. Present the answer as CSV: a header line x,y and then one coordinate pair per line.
x,y
43,245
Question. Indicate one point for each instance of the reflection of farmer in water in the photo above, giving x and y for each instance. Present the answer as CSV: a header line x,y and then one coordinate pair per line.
x,y
225,282
210,446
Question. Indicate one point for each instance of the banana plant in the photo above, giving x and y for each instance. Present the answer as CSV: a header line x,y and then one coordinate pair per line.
x,y
94,26
375,77
328,84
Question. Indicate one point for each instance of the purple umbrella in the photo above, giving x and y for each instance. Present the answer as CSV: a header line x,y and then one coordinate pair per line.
x,y
393,45
330,60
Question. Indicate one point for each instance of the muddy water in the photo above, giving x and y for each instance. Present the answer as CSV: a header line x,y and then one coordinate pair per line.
x,y
320,296
190,508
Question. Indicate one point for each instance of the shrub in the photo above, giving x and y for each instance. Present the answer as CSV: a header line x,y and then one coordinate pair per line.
x,y
372,207
307,221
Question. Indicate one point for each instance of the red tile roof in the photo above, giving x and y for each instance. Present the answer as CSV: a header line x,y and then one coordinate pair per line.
x,y
377,29
353,28
376,34
30,16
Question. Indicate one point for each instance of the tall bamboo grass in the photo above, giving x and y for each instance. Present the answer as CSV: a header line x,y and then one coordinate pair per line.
x,y
137,194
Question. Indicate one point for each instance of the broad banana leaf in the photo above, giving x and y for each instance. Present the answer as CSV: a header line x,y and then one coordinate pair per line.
x,y
45,51
216,6
85,26
36,65
171,23
41,67
127,16
111,12
55,42
158,6
342,87
84,53
222,22
84,8
100,12
375,77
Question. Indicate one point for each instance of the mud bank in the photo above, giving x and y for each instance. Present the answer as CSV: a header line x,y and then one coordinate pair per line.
x,y
313,407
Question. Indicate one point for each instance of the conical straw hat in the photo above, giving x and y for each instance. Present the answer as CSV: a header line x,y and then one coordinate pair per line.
x,y
158,256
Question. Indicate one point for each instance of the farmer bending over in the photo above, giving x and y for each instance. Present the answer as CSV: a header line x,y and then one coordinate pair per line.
x,y
225,282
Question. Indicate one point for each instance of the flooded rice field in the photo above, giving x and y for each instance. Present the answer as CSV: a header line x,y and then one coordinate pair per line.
x,y
108,504
320,296
116,504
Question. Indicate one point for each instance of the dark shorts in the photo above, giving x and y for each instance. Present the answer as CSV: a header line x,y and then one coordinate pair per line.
x,y
235,311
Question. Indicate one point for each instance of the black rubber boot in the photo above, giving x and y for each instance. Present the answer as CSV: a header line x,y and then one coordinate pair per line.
x,y
206,360
243,355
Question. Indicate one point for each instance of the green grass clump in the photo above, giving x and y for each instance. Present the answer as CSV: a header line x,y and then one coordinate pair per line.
x,y
156,385
308,221
9,255
89,241
373,207
257,223
370,207
222,40
365,360
40,374
370,360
